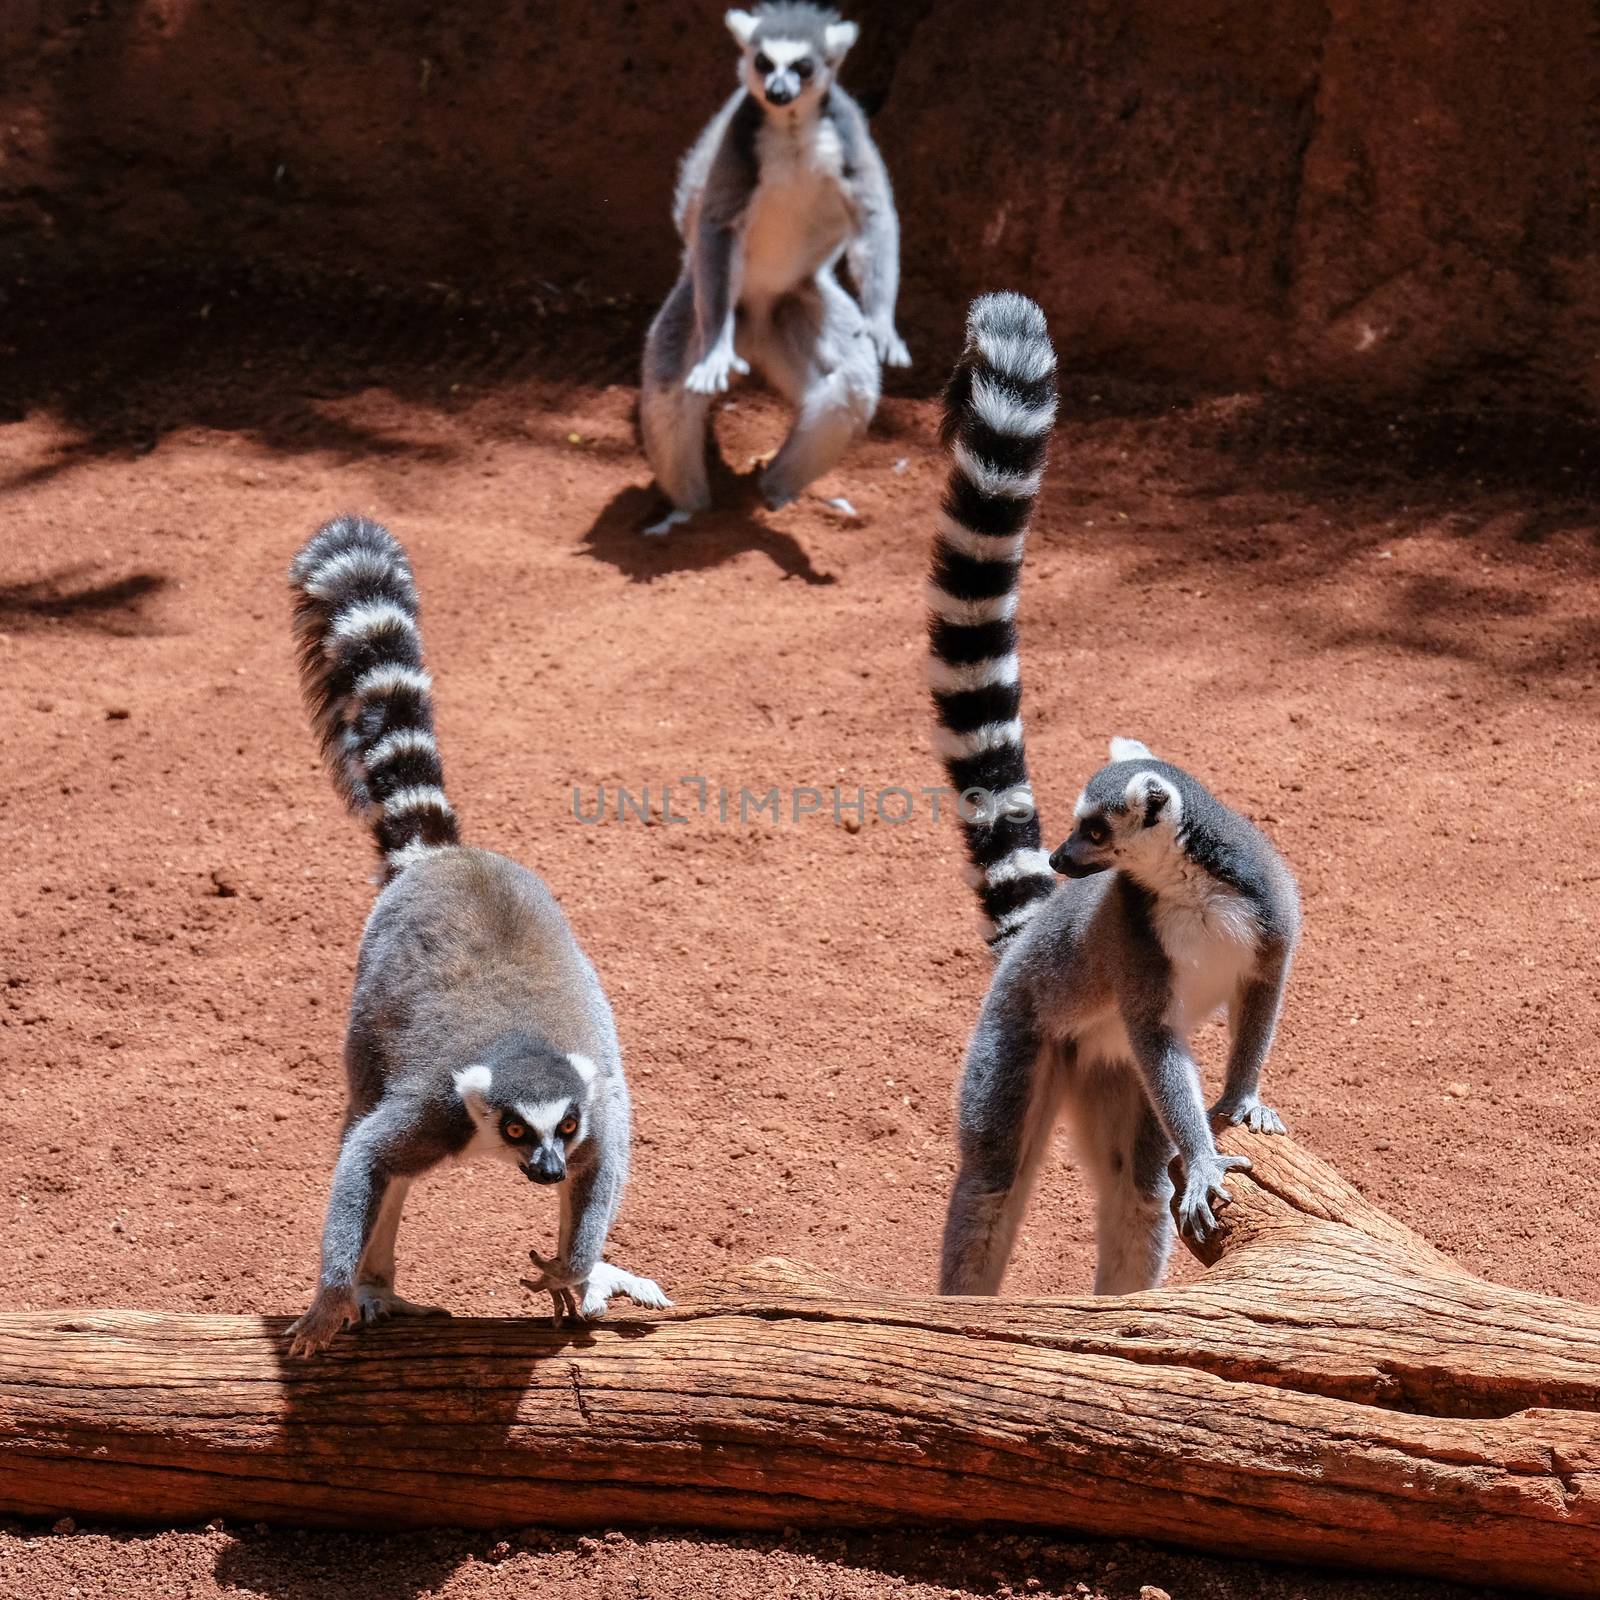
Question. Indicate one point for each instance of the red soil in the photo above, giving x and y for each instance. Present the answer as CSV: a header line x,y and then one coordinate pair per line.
x,y
1377,637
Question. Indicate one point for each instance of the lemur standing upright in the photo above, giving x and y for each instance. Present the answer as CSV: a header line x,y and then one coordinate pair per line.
x,y
477,1025
783,181
1176,907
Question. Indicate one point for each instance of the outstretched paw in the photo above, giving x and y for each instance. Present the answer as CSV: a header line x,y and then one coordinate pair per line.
x,y
330,1314
891,347
711,376
1251,1112
1203,1194
607,1279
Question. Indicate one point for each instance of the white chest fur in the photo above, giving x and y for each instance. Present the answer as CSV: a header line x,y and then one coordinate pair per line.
x,y
800,216
1209,934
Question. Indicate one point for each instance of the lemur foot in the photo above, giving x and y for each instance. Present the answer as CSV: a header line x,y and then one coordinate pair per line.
x,y
665,524
330,1314
377,1303
587,1297
1202,1190
1251,1112
608,1279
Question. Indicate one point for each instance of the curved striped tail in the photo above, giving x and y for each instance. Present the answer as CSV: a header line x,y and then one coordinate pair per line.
x,y
999,408
355,618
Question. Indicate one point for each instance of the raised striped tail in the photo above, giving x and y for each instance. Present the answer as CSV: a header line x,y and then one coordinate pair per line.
x,y
355,618
999,408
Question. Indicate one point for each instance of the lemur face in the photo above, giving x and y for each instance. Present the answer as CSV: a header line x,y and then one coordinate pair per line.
x,y
1088,848
791,53
1127,810
530,1109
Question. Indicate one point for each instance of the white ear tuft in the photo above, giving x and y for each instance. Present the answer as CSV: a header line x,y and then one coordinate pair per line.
x,y
837,38
583,1066
472,1084
1154,799
741,25
1129,750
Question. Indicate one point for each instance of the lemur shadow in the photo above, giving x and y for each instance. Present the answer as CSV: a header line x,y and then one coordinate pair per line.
x,y
354,1419
112,606
733,526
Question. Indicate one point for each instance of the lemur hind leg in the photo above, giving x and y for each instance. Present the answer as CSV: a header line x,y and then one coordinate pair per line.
x,y
672,418
1011,1092
1125,1153
375,1292
816,351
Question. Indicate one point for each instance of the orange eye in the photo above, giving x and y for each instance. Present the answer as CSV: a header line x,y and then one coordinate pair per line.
x,y
568,1127
513,1130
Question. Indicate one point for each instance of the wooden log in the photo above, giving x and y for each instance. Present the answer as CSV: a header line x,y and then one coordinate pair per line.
x,y
1332,1390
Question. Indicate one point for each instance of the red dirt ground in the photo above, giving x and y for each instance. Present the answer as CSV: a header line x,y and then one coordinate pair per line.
x,y
1375,635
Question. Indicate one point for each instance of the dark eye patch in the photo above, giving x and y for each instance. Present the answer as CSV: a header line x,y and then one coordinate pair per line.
x,y
1096,830
803,69
763,62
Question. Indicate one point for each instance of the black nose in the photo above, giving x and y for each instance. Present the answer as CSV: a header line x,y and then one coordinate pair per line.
x,y
778,94
1061,861
546,1167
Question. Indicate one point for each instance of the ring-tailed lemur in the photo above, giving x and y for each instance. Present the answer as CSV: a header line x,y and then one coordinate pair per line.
x,y
1177,905
783,181
477,1025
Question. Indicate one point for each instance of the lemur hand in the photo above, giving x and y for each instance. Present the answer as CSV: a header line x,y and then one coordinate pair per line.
x,y
890,346
711,375
331,1313
1202,1189
558,1281
1250,1110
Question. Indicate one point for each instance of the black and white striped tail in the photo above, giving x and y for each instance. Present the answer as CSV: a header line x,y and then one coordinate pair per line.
x,y
355,617
999,408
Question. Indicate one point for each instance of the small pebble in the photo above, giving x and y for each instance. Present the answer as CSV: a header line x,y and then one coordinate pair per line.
x,y
64,1525
117,713
1150,1592
850,824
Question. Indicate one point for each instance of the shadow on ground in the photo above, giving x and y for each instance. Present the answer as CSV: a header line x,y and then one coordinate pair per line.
x,y
292,1565
74,597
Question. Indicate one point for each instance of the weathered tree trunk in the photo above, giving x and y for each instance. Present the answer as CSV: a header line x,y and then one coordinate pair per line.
x,y
1332,1390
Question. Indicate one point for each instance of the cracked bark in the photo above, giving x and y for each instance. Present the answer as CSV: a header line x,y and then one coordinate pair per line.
x,y
1333,1389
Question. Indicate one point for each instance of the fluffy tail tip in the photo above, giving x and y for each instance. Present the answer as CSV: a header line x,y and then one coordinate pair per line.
x,y
1005,312
1009,332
